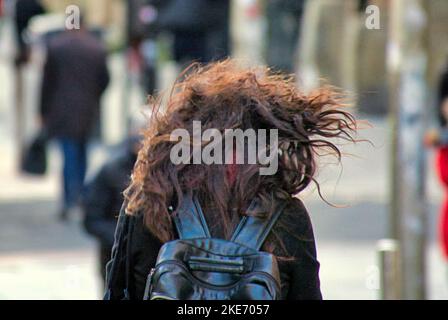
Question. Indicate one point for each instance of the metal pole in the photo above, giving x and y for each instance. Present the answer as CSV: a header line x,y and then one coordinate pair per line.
x,y
390,267
407,68
394,60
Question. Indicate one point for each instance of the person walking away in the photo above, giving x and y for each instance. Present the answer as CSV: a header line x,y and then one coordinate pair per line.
x,y
284,21
104,196
200,29
201,230
24,11
75,76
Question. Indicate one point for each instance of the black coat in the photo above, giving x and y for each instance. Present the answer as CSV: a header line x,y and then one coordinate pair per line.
x,y
75,76
299,276
200,28
104,196
24,11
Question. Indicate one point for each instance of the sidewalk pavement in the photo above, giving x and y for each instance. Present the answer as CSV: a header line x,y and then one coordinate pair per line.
x,y
42,258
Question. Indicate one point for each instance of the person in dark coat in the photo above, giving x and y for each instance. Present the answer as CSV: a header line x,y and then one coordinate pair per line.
x,y
221,96
24,11
200,29
104,196
284,20
75,76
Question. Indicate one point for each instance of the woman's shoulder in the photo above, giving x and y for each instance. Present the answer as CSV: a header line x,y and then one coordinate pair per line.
x,y
296,205
295,219
296,213
141,232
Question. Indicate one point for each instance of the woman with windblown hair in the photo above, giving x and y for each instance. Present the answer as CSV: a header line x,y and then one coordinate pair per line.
x,y
224,96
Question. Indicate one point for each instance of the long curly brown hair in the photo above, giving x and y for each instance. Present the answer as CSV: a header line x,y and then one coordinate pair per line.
x,y
224,95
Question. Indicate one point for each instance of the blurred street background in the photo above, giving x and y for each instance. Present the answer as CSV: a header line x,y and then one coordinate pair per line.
x,y
43,257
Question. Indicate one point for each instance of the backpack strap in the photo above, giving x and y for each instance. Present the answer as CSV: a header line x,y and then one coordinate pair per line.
x,y
252,231
189,219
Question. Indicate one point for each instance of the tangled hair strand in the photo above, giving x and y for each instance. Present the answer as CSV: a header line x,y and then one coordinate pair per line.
x,y
224,95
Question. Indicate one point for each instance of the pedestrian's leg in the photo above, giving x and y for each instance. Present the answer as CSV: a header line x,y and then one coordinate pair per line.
x,y
82,168
64,152
68,174
77,174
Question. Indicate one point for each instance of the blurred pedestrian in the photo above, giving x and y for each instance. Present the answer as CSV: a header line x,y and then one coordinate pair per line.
x,y
141,43
74,78
104,197
284,20
200,28
439,139
24,11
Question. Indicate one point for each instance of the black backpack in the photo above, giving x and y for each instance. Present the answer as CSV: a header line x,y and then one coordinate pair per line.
x,y
198,267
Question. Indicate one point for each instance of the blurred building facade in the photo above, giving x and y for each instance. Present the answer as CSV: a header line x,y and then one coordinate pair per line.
x,y
345,53
360,63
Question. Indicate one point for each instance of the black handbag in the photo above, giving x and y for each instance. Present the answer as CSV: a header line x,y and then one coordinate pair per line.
x,y
199,267
34,159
